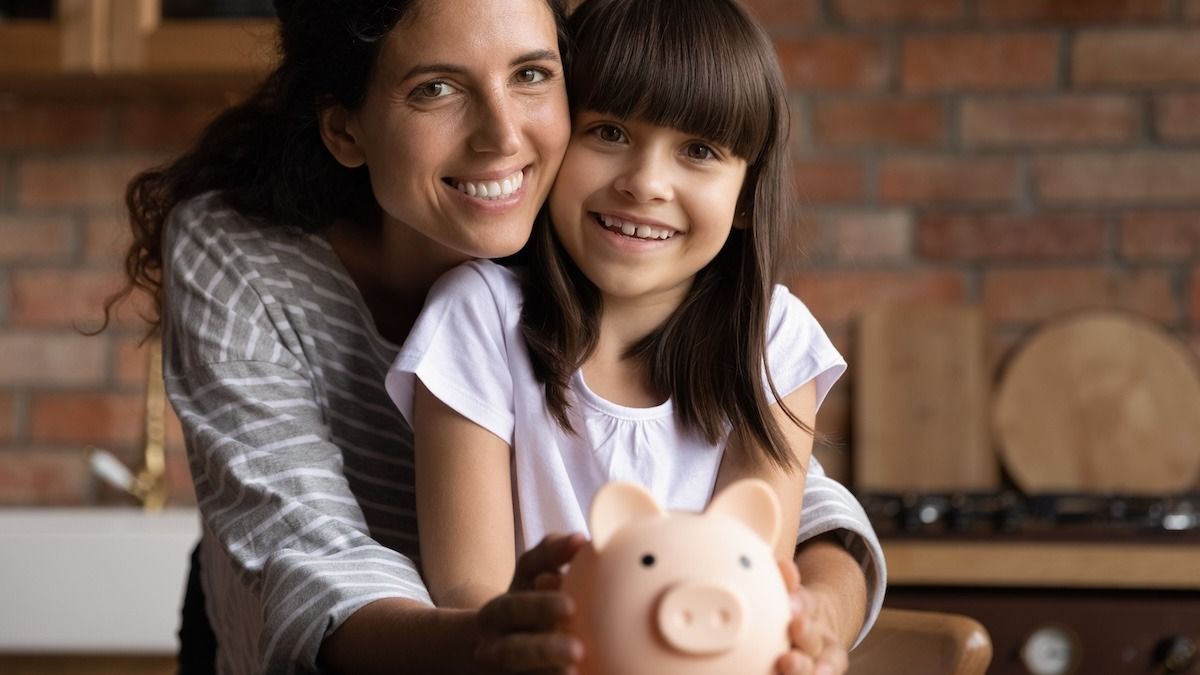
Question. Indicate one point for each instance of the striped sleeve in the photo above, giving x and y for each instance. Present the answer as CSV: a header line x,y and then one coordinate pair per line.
x,y
830,507
289,535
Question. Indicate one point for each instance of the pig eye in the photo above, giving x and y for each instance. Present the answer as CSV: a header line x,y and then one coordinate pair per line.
x,y
745,561
648,560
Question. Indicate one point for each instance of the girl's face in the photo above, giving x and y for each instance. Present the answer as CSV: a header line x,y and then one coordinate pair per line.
x,y
640,208
464,124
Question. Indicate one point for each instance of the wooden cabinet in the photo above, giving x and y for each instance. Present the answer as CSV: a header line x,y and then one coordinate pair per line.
x,y
133,37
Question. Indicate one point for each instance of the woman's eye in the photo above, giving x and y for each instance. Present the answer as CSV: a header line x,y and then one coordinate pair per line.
x,y
699,151
531,75
609,134
435,89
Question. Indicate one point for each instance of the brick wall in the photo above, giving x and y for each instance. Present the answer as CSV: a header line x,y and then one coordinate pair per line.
x,y
1031,156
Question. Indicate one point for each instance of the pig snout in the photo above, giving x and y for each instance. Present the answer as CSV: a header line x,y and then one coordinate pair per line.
x,y
701,619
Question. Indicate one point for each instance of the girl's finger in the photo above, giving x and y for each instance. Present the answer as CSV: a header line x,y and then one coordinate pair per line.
x,y
794,663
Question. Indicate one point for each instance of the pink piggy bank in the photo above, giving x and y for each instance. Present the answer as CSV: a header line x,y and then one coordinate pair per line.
x,y
662,593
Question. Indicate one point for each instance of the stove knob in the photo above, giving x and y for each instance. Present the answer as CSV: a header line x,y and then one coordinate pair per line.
x,y
1176,654
1050,650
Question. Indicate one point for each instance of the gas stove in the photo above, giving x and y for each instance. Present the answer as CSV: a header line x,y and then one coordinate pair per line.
x,y
1010,514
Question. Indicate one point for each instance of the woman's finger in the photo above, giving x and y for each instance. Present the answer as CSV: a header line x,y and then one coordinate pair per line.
x,y
524,652
549,555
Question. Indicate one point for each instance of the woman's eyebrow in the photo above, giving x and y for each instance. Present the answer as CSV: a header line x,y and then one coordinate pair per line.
x,y
430,68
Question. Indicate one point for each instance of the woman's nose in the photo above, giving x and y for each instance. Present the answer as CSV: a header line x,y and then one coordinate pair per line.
x,y
498,125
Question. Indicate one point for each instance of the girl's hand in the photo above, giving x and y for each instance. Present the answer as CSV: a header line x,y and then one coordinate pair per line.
x,y
521,631
816,649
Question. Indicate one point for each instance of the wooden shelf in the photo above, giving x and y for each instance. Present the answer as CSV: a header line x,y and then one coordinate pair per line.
x,y
1043,564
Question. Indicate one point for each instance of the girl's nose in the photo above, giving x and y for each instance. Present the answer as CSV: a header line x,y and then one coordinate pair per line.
x,y
497,125
644,180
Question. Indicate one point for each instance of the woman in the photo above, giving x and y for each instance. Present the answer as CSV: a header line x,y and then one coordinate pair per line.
x,y
290,252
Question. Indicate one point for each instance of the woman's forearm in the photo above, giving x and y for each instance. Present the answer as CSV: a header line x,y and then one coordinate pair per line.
x,y
828,570
396,635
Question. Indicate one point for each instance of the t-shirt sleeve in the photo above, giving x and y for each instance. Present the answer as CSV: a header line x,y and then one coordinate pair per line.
x,y
295,554
458,348
798,350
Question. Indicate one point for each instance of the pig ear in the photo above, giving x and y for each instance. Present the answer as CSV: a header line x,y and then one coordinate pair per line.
x,y
753,502
616,505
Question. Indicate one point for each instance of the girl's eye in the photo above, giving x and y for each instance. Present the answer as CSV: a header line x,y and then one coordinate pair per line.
x,y
609,133
432,90
699,151
531,75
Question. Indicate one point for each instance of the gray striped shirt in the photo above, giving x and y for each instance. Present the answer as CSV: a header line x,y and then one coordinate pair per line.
x,y
302,466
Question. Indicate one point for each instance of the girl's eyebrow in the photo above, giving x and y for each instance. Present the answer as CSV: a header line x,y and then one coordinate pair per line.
x,y
430,68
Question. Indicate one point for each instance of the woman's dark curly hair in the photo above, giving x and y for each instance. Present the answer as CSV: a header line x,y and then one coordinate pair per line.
x,y
265,154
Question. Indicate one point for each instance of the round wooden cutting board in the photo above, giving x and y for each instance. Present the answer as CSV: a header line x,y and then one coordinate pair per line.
x,y
1100,402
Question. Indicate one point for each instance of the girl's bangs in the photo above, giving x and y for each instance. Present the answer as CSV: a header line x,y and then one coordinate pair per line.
x,y
692,65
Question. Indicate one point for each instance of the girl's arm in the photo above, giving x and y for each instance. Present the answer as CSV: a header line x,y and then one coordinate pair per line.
x,y
464,505
738,463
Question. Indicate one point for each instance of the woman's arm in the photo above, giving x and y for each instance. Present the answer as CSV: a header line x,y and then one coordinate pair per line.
x,y
512,633
464,505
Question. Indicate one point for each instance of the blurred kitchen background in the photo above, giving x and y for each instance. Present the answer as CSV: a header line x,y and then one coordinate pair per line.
x,y
1000,227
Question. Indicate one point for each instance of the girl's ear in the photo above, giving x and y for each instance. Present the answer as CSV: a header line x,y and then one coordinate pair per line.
x,y
741,219
339,132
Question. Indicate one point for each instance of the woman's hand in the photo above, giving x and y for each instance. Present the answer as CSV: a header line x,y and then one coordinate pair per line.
x,y
816,648
521,631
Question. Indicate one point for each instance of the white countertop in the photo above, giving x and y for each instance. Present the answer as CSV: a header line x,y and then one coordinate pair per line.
x,y
93,580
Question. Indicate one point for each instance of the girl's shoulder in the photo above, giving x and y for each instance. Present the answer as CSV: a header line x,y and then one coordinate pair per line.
x,y
479,281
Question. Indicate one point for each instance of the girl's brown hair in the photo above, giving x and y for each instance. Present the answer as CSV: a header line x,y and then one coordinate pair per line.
x,y
707,68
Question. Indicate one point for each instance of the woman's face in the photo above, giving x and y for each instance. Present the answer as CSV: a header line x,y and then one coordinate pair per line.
x,y
465,123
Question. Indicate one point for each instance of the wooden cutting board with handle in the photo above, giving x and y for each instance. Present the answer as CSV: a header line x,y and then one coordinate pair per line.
x,y
921,388
1101,401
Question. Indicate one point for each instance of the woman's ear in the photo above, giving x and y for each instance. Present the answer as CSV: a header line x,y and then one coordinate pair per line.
x,y
339,131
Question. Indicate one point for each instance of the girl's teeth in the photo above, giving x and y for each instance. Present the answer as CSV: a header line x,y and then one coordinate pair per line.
x,y
493,189
631,230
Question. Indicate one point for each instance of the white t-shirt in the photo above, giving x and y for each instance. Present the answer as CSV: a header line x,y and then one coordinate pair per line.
x,y
467,349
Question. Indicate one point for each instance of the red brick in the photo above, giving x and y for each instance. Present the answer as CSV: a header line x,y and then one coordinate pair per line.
x,y
106,236
40,477
891,11
837,296
947,180
1009,237
1108,178
1177,117
1072,11
79,419
43,125
870,122
8,413
989,61
26,238
165,125
70,298
1136,57
783,14
1064,120
825,181
130,362
77,181
1026,296
866,236
1161,235
834,62
51,359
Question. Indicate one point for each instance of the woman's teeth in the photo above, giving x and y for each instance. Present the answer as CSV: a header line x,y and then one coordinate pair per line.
x,y
635,230
492,189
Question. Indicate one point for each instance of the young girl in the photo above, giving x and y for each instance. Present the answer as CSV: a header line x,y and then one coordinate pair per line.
x,y
647,340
